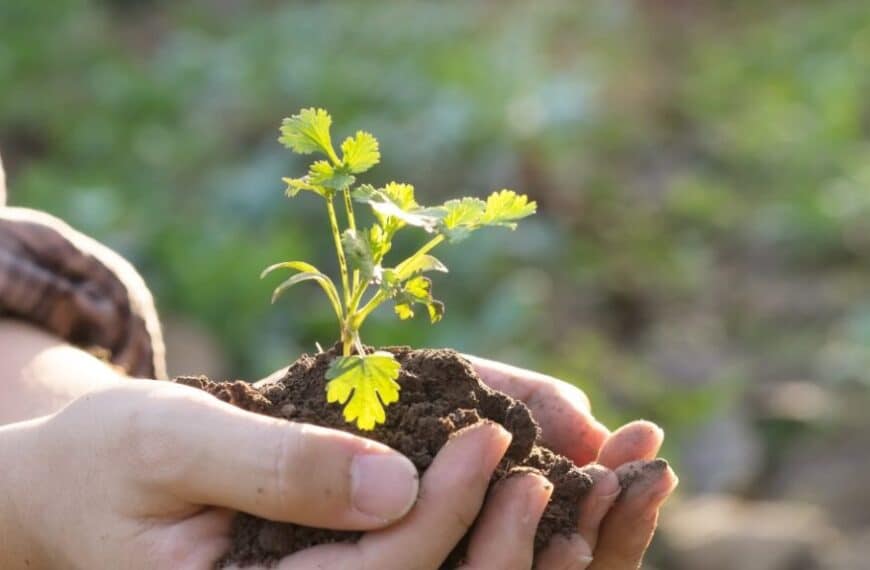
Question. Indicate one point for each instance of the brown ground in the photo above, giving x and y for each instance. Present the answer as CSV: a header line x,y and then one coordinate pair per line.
x,y
440,394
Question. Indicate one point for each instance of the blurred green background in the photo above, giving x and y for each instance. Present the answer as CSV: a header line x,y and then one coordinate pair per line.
x,y
702,253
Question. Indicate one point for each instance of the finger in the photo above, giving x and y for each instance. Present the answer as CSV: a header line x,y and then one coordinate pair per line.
x,y
575,552
597,503
186,543
629,527
504,536
565,553
633,441
452,492
562,410
187,445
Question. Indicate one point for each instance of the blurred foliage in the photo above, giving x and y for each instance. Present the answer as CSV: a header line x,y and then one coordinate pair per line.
x,y
703,172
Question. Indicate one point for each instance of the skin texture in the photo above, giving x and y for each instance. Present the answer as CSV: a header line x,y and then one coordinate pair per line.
x,y
110,469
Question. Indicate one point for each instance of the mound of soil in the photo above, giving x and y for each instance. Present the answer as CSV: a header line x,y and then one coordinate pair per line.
x,y
441,393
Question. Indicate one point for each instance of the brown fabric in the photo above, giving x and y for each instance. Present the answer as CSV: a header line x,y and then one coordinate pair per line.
x,y
54,276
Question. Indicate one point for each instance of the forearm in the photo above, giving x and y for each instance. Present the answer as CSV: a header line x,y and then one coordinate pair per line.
x,y
39,373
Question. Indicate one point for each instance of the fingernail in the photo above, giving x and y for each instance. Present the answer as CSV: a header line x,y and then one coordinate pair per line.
x,y
537,496
579,557
383,485
495,434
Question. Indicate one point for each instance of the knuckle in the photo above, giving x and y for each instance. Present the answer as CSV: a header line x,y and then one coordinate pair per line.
x,y
297,466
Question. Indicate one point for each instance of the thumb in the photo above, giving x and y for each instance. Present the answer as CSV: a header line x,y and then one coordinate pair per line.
x,y
219,455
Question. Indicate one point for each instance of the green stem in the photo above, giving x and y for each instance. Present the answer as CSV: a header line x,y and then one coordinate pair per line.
x,y
342,261
351,222
420,253
358,318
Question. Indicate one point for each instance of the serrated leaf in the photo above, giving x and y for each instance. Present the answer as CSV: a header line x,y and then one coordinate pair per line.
x,y
379,242
504,207
307,132
359,253
322,173
461,217
417,290
296,185
436,311
394,206
364,384
360,152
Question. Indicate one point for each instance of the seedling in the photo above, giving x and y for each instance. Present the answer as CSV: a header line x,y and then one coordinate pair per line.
x,y
364,383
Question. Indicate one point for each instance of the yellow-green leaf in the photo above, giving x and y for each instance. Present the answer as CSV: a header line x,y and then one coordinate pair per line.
x,y
364,384
322,173
308,132
360,152
505,207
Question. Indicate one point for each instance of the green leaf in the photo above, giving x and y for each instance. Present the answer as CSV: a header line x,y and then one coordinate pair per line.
x,y
422,264
295,265
461,217
296,185
308,132
504,207
379,242
417,290
322,173
308,273
360,152
364,384
394,206
359,253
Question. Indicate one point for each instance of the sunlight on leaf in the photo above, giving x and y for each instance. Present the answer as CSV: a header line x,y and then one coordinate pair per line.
x,y
503,208
308,132
364,385
360,152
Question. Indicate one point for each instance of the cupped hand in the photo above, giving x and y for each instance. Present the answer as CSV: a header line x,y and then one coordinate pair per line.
x,y
616,525
143,474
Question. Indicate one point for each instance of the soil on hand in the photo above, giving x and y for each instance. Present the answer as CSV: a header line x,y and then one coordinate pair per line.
x,y
440,394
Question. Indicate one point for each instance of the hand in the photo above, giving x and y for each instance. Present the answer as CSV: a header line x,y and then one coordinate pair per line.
x,y
145,474
612,535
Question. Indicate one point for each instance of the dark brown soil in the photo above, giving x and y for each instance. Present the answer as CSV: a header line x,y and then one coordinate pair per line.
x,y
440,394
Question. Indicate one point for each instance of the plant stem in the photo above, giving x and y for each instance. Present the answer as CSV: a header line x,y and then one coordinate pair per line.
x,y
342,261
420,253
351,222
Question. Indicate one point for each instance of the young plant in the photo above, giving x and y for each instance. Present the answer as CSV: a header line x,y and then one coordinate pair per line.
x,y
364,383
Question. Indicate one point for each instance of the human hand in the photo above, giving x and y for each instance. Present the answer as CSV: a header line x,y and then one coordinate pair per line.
x,y
612,535
145,474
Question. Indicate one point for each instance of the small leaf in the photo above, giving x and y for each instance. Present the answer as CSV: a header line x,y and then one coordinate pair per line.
x,y
503,208
461,217
364,384
359,253
394,206
422,264
298,278
309,273
308,132
417,290
379,242
404,311
360,152
296,265
322,173
295,185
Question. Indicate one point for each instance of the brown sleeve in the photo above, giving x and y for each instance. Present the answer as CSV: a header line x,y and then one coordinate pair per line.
x,y
67,283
